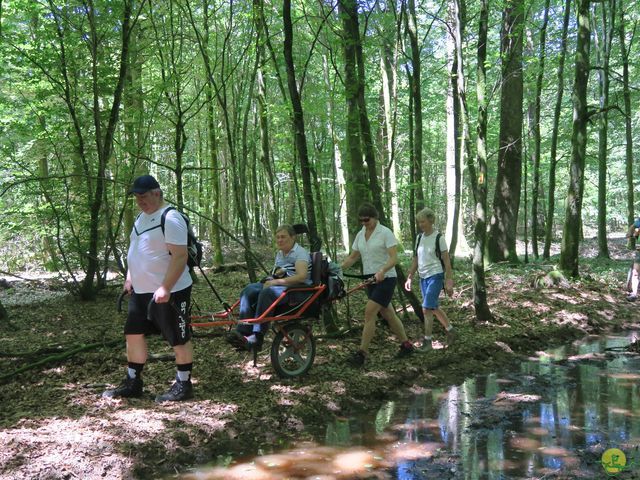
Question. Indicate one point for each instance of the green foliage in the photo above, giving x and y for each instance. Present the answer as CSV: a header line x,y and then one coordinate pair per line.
x,y
49,147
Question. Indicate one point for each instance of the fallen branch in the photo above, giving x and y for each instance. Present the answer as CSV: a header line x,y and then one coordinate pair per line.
x,y
59,357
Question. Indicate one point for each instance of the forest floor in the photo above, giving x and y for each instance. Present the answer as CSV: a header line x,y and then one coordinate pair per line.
x,y
55,425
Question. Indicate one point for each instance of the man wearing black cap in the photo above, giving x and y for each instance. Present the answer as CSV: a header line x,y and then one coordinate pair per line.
x,y
160,286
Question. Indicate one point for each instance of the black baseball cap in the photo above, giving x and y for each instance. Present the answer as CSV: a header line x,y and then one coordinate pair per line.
x,y
143,184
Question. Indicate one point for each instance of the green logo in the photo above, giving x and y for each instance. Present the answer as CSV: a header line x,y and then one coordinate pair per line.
x,y
613,461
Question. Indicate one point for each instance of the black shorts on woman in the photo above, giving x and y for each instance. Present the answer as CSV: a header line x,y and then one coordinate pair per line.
x,y
170,319
382,292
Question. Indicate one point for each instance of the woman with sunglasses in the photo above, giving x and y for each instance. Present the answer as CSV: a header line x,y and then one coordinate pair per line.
x,y
376,246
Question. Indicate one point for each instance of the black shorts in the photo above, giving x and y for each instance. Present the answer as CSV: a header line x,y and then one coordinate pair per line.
x,y
382,292
170,319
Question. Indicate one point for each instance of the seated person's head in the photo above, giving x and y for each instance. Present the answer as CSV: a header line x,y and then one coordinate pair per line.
x,y
285,237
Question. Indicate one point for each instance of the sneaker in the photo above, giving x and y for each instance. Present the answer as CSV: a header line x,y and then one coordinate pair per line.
x,y
130,387
631,298
237,340
179,391
451,336
357,359
426,346
406,348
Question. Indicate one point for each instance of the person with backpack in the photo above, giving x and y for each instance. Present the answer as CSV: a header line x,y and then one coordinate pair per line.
x,y
432,262
376,246
159,282
634,231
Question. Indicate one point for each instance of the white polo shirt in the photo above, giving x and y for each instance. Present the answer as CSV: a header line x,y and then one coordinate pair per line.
x,y
373,252
148,257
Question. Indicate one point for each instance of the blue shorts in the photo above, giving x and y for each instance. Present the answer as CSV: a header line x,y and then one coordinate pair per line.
x,y
382,292
431,287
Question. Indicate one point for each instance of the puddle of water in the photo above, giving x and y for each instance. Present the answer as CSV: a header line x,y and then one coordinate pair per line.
x,y
552,417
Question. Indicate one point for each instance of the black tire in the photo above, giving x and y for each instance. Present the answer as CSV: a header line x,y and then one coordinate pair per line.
x,y
293,354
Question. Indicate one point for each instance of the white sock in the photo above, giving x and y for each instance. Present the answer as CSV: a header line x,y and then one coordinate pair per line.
x,y
131,372
183,375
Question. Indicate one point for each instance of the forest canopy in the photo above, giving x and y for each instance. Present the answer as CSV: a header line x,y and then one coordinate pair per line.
x,y
257,113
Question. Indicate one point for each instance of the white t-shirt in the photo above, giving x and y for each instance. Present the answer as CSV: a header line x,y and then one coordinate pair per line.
x,y
148,256
428,263
373,252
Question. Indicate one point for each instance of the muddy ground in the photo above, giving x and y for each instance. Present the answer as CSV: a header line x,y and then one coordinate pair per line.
x,y
58,354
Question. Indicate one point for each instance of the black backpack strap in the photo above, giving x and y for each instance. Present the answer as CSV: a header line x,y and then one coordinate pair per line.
x,y
163,218
438,251
415,249
135,229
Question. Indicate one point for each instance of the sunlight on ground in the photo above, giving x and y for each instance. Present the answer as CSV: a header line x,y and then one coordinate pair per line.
x,y
321,462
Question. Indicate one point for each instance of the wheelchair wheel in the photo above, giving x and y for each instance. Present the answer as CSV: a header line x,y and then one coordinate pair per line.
x,y
293,351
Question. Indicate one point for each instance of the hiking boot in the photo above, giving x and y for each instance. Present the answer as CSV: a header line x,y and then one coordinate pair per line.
x,y
406,349
451,336
357,359
130,387
179,391
632,298
426,347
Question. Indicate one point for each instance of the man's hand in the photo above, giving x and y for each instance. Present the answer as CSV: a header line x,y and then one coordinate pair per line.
x,y
161,295
128,287
407,284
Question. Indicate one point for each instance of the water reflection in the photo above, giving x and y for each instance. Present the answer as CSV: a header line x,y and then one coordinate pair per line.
x,y
552,418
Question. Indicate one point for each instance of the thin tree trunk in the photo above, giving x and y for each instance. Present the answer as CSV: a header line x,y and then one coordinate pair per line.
x,y
535,190
265,148
452,157
337,162
104,141
624,53
411,26
478,179
604,54
458,240
551,206
569,258
357,185
299,128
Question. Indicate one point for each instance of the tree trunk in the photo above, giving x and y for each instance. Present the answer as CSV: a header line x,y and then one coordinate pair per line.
x,y
104,141
265,149
214,164
411,26
3,312
298,126
571,232
388,64
457,241
478,179
453,146
535,190
416,186
624,51
603,48
339,172
506,202
357,185
551,206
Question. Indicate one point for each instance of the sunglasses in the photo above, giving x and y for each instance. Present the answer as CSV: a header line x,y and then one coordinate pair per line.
x,y
364,219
